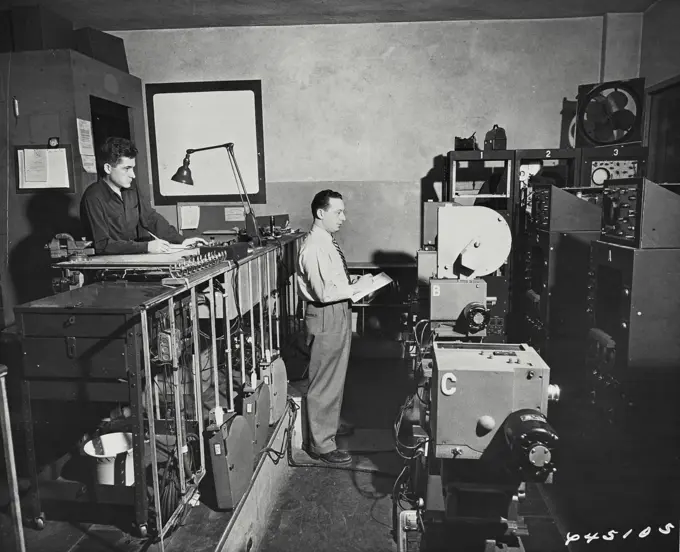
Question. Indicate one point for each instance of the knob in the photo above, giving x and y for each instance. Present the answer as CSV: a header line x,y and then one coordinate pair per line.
x,y
487,422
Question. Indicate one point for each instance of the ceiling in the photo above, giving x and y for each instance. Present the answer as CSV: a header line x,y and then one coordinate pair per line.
x,y
119,15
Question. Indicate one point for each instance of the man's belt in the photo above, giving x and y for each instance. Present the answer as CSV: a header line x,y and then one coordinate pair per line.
x,y
319,305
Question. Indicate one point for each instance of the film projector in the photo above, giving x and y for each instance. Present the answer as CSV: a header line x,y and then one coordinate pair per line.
x,y
476,431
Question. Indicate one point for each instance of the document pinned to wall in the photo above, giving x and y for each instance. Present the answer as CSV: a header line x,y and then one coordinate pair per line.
x,y
232,214
35,165
43,169
89,163
85,142
189,217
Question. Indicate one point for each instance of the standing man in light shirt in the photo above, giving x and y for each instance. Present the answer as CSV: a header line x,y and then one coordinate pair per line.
x,y
325,284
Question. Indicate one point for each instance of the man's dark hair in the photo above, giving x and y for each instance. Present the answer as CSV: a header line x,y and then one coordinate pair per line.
x,y
113,149
323,199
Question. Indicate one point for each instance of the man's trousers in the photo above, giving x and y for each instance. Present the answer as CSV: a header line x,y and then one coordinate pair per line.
x,y
329,334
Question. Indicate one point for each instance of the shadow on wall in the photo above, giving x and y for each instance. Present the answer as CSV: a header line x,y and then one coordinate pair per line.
x,y
29,262
384,316
428,190
401,267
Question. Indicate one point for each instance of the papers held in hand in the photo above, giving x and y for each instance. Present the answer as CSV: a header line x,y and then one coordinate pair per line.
x,y
378,281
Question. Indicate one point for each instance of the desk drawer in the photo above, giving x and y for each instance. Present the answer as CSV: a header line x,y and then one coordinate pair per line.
x,y
75,357
77,324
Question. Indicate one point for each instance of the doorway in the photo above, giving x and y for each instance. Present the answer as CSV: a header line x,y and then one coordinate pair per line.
x,y
108,119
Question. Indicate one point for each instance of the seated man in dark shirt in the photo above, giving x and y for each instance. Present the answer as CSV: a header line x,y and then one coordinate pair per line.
x,y
116,216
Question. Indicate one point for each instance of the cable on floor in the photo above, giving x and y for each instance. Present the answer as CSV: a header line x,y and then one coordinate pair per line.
x,y
287,451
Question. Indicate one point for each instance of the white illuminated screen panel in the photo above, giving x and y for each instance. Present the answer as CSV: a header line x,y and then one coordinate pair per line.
x,y
199,119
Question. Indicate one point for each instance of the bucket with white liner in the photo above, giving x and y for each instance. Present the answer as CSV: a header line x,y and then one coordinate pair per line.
x,y
112,453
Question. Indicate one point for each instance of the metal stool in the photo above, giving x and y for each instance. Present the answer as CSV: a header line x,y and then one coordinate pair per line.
x,y
9,459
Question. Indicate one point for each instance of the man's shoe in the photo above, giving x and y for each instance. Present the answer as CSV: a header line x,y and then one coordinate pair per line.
x,y
334,457
344,430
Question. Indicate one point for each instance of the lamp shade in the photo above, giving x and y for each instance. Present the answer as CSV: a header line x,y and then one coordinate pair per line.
x,y
183,174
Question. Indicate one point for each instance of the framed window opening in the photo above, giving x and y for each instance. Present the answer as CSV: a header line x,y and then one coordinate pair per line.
x,y
195,115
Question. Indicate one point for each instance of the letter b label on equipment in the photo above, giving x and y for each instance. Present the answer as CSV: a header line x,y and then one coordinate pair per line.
x,y
436,291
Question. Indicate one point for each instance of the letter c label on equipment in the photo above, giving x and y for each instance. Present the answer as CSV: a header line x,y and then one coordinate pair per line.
x,y
448,385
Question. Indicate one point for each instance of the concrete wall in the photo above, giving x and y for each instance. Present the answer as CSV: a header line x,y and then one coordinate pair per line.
x,y
621,46
366,109
660,59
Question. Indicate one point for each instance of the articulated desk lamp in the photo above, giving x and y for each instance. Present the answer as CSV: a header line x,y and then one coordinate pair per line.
x,y
183,176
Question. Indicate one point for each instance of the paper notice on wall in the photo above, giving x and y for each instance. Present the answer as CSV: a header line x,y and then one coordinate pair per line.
x,y
35,165
189,217
89,163
232,214
85,143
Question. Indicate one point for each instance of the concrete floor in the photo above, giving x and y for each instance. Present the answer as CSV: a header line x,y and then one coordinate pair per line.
x,y
337,510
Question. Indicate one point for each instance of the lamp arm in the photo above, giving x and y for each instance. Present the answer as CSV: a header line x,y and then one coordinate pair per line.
x,y
227,145
230,150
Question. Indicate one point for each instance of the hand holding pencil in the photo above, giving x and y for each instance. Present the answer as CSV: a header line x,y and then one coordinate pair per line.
x,y
163,246
158,245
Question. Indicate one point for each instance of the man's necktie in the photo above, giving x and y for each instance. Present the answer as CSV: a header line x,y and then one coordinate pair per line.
x,y
344,262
